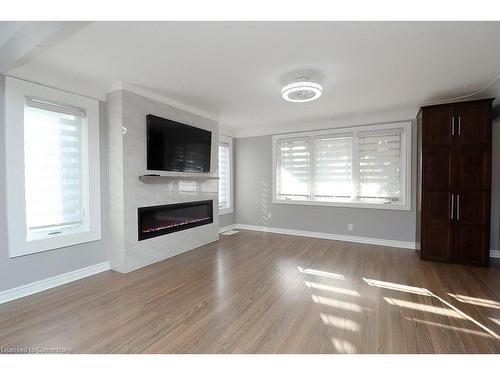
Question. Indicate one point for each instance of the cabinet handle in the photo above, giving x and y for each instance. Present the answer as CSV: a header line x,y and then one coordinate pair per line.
x,y
453,125
452,200
459,125
458,207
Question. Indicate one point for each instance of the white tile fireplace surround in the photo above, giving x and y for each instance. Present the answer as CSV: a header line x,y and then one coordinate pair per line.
x,y
127,161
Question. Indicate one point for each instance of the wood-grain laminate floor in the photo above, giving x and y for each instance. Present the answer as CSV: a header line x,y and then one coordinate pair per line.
x,y
268,293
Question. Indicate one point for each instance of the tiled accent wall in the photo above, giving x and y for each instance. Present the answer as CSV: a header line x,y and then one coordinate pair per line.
x,y
127,161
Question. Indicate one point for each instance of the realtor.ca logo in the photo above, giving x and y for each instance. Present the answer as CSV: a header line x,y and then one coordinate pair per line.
x,y
33,350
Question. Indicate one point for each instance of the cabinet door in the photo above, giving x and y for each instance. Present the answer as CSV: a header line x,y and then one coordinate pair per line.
x,y
437,127
472,125
437,205
473,205
473,182
472,233
473,171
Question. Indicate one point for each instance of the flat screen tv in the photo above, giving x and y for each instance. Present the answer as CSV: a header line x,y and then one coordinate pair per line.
x,y
176,147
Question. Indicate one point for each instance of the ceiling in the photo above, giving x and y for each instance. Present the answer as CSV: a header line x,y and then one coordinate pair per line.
x,y
235,70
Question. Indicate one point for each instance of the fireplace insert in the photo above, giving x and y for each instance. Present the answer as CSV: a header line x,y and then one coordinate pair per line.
x,y
159,220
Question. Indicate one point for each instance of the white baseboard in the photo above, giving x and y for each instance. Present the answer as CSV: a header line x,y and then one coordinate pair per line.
x,y
51,282
225,229
330,236
494,253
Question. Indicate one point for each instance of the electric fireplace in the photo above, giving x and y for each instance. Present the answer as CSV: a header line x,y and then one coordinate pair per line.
x,y
159,220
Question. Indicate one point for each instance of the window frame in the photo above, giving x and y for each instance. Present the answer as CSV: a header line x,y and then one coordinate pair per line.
x,y
227,140
16,91
406,152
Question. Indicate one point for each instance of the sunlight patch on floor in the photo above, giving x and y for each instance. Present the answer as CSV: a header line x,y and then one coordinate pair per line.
x,y
476,301
451,311
337,322
332,289
422,307
335,303
465,316
331,275
398,287
447,326
496,321
343,346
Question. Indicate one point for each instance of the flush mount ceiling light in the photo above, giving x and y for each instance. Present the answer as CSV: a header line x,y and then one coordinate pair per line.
x,y
302,90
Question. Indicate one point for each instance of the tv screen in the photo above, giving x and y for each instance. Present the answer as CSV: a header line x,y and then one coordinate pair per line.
x,y
176,147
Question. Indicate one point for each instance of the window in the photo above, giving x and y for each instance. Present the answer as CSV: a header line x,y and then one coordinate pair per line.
x,y
364,166
225,175
53,179
380,177
333,167
53,167
293,162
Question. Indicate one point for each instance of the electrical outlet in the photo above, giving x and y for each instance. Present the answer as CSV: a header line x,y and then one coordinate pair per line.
x,y
350,227
269,214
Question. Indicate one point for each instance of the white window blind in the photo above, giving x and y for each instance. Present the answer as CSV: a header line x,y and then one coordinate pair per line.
x,y
333,167
54,183
293,156
380,166
224,175
364,166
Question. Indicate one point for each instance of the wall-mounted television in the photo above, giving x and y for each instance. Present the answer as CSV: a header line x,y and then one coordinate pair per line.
x,y
176,147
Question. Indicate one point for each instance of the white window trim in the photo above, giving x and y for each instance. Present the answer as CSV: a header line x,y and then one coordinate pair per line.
x,y
229,141
406,162
15,92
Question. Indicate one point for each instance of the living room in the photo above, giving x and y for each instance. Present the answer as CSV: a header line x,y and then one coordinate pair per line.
x,y
263,187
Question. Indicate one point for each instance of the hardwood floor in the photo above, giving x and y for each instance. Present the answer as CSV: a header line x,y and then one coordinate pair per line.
x,y
268,293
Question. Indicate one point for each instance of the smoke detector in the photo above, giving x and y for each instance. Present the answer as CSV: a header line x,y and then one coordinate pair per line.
x,y
302,90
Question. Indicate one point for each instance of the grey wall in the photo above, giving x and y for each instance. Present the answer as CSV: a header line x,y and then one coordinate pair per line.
x,y
30,268
228,219
254,201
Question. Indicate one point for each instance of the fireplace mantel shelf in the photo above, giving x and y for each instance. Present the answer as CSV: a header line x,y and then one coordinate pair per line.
x,y
149,179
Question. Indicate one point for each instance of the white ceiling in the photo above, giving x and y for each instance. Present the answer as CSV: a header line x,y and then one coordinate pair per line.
x,y
235,70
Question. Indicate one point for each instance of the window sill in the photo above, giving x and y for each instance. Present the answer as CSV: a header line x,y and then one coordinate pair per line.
x,y
225,211
377,206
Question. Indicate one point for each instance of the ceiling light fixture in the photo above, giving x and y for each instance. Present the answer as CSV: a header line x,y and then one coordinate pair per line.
x,y
302,90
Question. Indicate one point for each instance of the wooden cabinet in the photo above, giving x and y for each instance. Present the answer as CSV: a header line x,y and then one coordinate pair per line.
x,y
454,182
